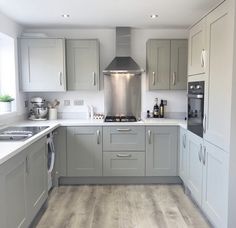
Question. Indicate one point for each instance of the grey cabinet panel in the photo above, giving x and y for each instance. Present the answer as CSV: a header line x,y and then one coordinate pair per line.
x,y
37,190
161,151
42,64
84,151
167,64
82,64
61,154
179,64
123,164
158,64
124,138
13,193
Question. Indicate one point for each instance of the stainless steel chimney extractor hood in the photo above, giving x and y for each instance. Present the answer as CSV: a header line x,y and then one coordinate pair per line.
x,y
123,63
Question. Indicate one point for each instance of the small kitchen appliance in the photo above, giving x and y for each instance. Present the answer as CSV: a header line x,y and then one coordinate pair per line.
x,y
38,109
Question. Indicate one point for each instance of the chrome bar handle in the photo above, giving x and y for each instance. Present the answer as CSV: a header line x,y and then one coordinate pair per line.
x,y
204,157
60,78
204,124
27,165
124,155
199,153
203,56
174,78
184,141
153,78
98,136
123,129
94,78
149,136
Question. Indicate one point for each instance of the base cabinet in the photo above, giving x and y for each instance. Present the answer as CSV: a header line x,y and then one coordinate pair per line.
x,y
161,151
183,154
13,192
23,188
84,151
36,173
215,185
195,167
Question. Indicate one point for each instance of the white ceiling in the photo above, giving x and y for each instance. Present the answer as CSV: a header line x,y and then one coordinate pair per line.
x,y
107,13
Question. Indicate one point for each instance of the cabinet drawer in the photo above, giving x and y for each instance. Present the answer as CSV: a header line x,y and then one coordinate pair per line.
x,y
123,138
123,164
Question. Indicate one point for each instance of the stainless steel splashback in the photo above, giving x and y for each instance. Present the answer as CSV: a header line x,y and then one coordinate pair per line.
x,y
122,95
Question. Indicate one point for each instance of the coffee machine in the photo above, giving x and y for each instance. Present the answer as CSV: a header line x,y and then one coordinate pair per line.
x,y
39,109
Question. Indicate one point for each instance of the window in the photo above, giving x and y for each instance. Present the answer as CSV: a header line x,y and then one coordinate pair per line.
x,y
7,69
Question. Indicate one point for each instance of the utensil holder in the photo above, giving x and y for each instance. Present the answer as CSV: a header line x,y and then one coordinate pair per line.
x,y
52,114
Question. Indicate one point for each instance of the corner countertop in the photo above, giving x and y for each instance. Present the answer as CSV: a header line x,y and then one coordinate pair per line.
x,y
10,149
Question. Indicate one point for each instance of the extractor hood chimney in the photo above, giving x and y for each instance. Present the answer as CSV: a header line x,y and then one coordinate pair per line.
x,y
123,63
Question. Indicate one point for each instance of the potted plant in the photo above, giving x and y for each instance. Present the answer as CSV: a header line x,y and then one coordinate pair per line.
x,y
5,103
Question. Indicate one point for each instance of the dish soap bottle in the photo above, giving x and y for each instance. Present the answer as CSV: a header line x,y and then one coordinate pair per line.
x,y
156,109
162,109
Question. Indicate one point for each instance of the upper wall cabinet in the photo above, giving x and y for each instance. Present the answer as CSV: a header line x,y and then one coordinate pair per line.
x,y
42,64
167,64
197,49
82,64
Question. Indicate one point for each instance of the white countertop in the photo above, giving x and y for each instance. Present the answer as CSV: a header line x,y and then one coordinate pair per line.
x,y
10,149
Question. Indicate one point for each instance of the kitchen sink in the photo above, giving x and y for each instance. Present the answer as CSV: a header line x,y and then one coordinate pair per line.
x,y
16,133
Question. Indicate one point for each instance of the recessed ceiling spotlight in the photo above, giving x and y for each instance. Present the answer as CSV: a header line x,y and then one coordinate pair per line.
x,y
154,16
65,15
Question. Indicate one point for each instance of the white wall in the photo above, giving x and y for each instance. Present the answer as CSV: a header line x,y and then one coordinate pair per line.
x,y
176,99
12,29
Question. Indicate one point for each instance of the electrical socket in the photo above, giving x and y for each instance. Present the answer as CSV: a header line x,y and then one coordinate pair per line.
x,y
78,102
26,103
165,102
66,102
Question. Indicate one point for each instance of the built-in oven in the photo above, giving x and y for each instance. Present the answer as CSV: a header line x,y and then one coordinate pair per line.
x,y
196,107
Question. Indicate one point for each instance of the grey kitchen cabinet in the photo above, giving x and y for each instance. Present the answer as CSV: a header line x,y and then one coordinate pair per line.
x,y
161,151
167,64
158,64
13,192
197,49
36,177
23,188
123,163
215,184
179,65
195,168
183,154
82,64
84,151
61,153
124,138
42,63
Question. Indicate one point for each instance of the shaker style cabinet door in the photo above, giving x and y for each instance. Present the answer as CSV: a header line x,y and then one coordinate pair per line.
x,y
37,179
215,184
195,167
158,64
197,49
13,192
84,151
179,65
183,154
161,151
219,71
82,64
42,64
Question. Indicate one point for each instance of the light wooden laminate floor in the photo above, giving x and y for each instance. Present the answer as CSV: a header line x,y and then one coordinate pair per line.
x,y
121,206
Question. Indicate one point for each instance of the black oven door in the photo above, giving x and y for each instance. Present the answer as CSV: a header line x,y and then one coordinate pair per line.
x,y
196,113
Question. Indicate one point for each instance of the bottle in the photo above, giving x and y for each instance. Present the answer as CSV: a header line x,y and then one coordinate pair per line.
x,y
162,110
148,114
156,109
